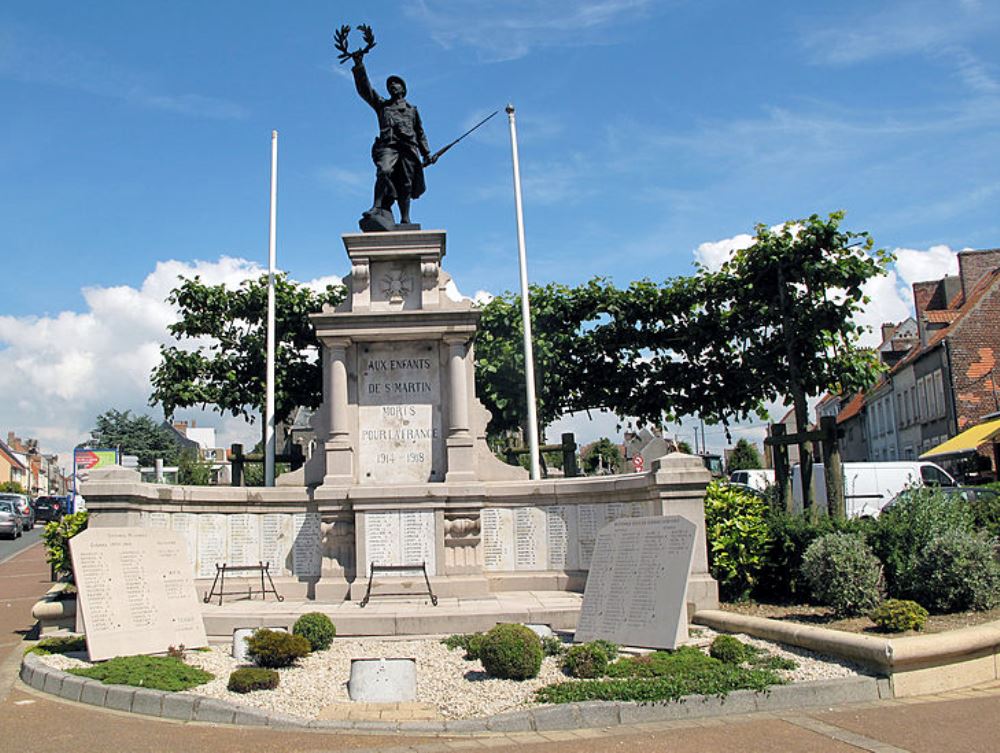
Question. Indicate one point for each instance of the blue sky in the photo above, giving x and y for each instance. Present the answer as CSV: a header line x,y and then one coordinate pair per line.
x,y
135,147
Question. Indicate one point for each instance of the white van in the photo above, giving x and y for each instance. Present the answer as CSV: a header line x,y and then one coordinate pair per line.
x,y
756,478
868,487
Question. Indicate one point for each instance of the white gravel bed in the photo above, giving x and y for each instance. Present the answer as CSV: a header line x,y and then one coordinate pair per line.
x,y
459,689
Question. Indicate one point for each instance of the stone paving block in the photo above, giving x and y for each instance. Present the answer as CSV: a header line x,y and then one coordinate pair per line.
x,y
179,706
429,727
212,710
53,681
372,725
26,671
251,717
329,724
72,687
119,697
148,702
94,693
819,693
599,714
284,721
38,677
465,726
558,717
518,721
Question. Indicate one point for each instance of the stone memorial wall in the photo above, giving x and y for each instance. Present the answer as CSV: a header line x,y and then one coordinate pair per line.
x,y
292,544
399,414
555,537
635,592
400,538
136,593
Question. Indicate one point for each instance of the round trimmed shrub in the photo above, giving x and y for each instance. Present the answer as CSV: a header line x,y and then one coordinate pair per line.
x,y
842,572
899,615
586,661
957,571
316,628
252,678
728,649
511,652
273,648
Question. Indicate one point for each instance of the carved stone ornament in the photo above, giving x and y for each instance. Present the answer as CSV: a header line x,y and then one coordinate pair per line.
x,y
396,286
429,271
360,274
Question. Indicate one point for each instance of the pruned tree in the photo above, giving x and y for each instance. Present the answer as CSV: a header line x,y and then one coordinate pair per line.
x,y
137,435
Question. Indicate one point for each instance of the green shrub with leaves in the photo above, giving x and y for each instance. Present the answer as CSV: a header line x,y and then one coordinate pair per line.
x,y
986,511
56,537
738,538
273,648
552,646
957,571
842,572
898,615
153,672
247,679
469,642
729,649
316,628
511,652
906,528
59,644
586,661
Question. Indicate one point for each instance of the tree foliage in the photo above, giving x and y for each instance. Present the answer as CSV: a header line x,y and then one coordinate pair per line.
x,y
603,456
225,368
134,435
744,457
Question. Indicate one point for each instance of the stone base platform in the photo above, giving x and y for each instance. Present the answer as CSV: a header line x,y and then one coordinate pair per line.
x,y
389,616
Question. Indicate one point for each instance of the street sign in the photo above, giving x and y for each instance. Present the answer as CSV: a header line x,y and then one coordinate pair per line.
x,y
638,462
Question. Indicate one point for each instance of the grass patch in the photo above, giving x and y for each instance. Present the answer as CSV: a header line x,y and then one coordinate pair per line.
x,y
153,672
59,645
662,676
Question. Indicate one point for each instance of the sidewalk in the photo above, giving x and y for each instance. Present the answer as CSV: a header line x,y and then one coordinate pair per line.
x,y
958,722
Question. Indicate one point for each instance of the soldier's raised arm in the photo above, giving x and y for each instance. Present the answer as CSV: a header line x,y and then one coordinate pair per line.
x,y
363,85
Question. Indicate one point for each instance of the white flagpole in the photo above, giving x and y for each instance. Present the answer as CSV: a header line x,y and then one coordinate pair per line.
x,y
269,438
529,358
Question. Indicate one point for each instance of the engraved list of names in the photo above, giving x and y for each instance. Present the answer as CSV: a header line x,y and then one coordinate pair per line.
x,y
399,414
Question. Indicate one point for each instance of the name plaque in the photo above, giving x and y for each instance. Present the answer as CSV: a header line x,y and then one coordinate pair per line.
x,y
636,587
399,414
400,538
135,591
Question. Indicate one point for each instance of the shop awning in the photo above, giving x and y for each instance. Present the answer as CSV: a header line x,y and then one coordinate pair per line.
x,y
968,441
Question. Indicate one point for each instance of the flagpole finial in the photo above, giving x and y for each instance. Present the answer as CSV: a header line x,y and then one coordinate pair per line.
x,y
509,108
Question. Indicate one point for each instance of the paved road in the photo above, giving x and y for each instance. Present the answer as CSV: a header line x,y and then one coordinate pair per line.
x,y
30,722
9,547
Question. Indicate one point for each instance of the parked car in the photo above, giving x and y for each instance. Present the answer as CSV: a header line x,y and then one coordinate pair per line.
x,y
23,508
10,520
758,478
868,487
50,508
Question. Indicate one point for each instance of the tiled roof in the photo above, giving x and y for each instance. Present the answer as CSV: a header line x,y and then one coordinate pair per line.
x,y
941,317
852,408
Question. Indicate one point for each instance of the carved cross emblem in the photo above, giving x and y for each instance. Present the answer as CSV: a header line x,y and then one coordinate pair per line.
x,y
396,286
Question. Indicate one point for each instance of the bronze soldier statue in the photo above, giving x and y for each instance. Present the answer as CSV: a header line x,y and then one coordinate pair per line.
x,y
400,151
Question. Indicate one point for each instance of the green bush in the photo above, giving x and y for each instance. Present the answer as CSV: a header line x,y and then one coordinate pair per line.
x,y
552,646
986,511
843,573
586,661
661,676
729,649
273,648
62,644
957,571
316,628
153,672
898,615
469,642
906,528
780,576
511,652
56,536
738,538
246,679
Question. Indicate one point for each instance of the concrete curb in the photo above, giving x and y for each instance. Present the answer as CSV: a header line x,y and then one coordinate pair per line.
x,y
884,655
590,715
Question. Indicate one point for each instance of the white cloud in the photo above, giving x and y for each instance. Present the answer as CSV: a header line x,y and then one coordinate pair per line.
x,y
713,254
58,373
932,264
